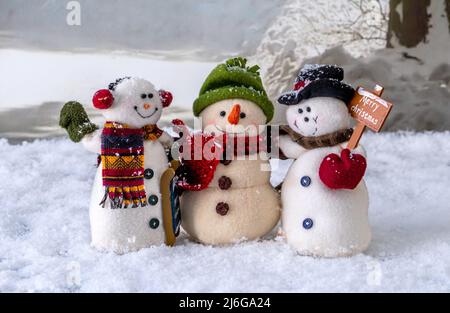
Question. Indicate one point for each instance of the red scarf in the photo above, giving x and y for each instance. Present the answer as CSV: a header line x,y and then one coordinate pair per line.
x,y
241,145
196,174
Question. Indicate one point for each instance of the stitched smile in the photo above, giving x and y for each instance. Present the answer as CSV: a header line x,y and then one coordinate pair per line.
x,y
136,109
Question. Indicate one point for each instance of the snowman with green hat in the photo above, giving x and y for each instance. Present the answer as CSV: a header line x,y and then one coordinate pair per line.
x,y
229,197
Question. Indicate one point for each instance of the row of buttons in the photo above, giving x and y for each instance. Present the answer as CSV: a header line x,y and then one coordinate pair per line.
x,y
153,199
305,181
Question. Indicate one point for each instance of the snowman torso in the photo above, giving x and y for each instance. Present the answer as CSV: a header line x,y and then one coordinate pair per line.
x,y
238,204
318,220
123,230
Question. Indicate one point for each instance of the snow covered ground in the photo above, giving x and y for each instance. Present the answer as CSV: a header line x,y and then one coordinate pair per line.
x,y
44,231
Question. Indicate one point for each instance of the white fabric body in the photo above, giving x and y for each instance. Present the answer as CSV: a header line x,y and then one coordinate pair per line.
x,y
340,223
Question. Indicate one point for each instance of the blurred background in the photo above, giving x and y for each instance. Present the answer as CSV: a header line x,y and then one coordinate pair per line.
x,y
55,51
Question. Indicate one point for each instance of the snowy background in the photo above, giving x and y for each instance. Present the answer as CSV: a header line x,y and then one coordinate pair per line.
x,y
46,179
44,231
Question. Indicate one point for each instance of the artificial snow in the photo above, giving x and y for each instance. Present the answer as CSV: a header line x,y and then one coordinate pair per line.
x,y
45,236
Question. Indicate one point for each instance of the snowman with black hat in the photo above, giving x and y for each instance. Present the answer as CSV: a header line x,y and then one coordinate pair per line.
x,y
324,197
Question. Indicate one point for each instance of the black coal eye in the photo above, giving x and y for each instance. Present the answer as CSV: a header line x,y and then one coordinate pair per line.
x,y
150,95
143,96
223,113
242,115
300,111
308,109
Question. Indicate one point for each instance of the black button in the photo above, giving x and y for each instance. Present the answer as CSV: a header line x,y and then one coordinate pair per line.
x,y
148,173
224,182
308,223
305,181
153,199
154,223
222,208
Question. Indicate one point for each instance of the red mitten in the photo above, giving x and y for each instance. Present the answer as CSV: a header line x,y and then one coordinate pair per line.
x,y
197,166
344,172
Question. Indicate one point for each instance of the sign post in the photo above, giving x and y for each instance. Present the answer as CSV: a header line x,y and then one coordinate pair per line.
x,y
370,110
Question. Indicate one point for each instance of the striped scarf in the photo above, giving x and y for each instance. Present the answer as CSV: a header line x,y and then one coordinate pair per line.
x,y
122,158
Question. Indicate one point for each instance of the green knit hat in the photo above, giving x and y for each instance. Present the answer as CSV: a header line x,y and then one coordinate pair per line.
x,y
234,80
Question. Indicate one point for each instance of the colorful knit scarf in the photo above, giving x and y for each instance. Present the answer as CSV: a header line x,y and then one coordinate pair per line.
x,y
122,158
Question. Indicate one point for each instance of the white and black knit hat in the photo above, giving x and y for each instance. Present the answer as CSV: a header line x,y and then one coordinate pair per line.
x,y
315,80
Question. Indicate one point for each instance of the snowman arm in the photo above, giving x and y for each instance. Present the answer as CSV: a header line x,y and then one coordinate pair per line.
x,y
290,149
92,142
166,140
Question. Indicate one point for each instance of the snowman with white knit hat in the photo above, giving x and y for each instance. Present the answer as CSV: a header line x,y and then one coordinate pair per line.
x,y
126,212
324,198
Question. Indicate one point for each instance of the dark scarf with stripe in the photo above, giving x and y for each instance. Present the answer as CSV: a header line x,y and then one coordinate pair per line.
x,y
312,142
122,158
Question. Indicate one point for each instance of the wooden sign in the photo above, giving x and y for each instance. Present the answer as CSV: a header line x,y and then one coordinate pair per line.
x,y
369,110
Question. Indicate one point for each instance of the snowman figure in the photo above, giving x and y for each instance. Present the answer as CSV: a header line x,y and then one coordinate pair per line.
x,y
125,207
324,198
237,202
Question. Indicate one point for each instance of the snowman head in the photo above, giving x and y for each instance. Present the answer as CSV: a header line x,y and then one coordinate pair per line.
x,y
238,117
317,103
132,101
233,100
318,116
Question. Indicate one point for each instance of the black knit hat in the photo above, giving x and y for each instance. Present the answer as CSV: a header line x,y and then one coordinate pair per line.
x,y
316,80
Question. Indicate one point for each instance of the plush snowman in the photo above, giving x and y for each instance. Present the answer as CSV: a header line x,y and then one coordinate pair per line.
x,y
236,202
324,198
125,207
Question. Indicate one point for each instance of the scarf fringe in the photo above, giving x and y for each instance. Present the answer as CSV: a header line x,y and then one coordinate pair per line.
x,y
123,197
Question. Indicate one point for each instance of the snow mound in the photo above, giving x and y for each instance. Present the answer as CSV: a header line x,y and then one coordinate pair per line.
x,y
44,231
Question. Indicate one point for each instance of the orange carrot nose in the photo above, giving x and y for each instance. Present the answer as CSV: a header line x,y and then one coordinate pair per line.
x,y
146,106
233,117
